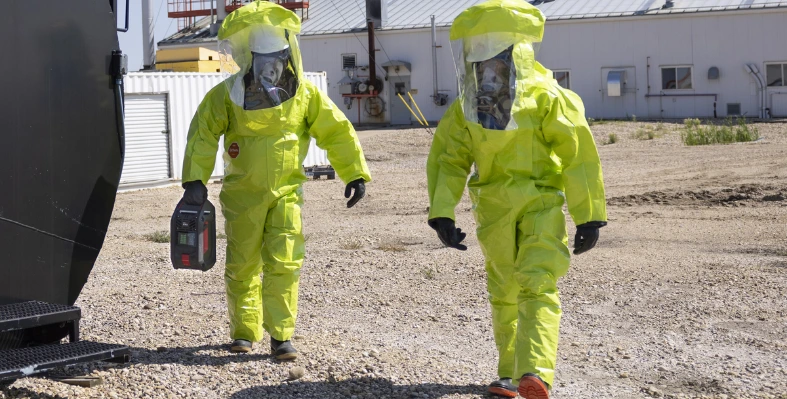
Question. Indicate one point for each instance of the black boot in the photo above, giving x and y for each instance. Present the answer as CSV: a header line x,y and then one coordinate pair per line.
x,y
503,387
283,350
241,346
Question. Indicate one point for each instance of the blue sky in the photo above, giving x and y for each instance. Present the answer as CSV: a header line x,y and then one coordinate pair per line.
x,y
131,41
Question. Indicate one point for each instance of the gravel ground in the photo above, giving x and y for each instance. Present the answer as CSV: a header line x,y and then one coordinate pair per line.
x,y
684,296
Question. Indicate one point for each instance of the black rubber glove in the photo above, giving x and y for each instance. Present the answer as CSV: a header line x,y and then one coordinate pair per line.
x,y
587,236
448,233
196,193
360,190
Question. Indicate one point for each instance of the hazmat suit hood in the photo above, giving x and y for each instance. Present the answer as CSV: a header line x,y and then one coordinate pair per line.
x,y
260,56
494,46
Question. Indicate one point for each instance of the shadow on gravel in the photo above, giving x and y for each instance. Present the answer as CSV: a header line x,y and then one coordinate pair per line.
x,y
26,394
208,355
359,388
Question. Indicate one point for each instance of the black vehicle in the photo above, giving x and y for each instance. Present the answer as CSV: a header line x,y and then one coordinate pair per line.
x,y
61,109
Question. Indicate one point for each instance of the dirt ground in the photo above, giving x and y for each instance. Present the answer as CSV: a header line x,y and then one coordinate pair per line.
x,y
685,295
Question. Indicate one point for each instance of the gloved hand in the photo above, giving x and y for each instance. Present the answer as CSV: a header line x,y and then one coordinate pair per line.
x,y
196,193
587,236
448,233
360,190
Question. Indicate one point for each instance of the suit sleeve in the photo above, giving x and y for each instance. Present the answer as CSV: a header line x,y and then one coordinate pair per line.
x,y
448,165
208,125
566,128
335,134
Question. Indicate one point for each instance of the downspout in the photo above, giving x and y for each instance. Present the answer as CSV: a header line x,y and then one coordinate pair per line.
x,y
372,55
434,62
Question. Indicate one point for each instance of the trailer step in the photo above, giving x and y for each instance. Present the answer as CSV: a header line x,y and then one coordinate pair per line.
x,y
19,316
25,362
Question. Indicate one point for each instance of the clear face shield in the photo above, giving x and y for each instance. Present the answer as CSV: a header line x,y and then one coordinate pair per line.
x,y
259,67
488,75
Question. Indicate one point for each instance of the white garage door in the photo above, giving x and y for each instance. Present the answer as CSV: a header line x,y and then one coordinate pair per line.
x,y
147,138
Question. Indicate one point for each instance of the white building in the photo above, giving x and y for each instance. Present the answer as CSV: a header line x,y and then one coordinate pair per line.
x,y
649,58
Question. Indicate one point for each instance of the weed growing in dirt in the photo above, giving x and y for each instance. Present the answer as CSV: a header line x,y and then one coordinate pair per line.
x,y
633,118
644,134
694,133
613,138
391,247
592,122
160,237
429,273
221,236
352,245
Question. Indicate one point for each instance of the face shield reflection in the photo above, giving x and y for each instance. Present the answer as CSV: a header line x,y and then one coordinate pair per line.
x,y
260,71
488,75
495,88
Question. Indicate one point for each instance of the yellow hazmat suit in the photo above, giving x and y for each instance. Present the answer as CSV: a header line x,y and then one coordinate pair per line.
x,y
540,156
264,151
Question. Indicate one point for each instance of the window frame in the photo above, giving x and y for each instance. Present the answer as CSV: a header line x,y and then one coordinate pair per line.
x,y
568,74
784,72
355,57
676,67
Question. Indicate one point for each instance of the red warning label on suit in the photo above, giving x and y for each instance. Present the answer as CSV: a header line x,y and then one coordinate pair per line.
x,y
234,150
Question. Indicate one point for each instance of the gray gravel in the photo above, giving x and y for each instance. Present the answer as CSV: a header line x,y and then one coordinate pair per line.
x,y
683,298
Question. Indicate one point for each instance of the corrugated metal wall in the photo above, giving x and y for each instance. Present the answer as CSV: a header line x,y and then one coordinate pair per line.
x,y
185,92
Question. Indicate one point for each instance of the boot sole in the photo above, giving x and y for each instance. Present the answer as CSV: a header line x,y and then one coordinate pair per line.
x,y
502,392
240,349
532,388
287,356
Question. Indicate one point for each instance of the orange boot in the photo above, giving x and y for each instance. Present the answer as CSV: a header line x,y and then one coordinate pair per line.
x,y
532,386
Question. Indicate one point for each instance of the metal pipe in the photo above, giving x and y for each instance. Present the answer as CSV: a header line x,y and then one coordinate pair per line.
x,y
763,91
372,63
221,10
148,48
647,74
752,69
715,98
434,61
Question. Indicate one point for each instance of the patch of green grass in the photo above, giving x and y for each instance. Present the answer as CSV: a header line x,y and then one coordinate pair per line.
x,y
695,133
353,245
592,122
159,237
648,132
612,139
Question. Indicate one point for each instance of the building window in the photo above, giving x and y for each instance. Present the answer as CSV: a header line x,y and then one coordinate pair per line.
x,y
562,78
676,78
348,61
775,73
734,109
